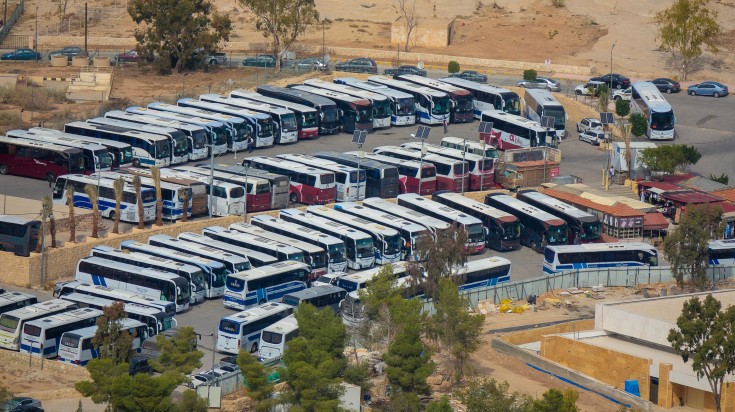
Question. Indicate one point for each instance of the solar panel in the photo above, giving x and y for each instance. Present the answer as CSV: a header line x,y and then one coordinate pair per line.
x,y
547,122
423,132
362,135
356,136
486,127
606,118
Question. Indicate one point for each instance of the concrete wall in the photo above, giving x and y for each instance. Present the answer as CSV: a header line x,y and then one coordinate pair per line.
x,y
537,334
19,362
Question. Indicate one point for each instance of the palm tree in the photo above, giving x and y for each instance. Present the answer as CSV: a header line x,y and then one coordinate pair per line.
x,y
184,195
48,211
139,201
119,185
72,220
156,175
91,191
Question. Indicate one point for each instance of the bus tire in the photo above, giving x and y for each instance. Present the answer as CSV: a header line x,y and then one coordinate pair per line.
x,y
50,177
293,198
3,169
136,162
254,348
111,215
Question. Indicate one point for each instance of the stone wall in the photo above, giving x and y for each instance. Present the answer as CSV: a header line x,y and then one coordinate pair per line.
x,y
19,362
537,334
426,34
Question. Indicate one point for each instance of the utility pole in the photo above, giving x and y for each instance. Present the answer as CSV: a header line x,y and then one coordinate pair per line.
x,y
358,137
464,163
484,128
423,134
85,29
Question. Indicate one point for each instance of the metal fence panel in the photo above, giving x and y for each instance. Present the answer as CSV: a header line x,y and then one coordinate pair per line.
x,y
213,395
9,25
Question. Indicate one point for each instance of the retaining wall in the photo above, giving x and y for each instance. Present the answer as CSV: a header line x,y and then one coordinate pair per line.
x,y
537,334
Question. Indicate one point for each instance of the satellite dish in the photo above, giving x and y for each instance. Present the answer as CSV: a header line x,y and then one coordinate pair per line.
x,y
420,65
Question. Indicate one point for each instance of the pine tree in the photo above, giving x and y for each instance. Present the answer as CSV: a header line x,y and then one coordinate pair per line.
x,y
114,342
409,362
256,380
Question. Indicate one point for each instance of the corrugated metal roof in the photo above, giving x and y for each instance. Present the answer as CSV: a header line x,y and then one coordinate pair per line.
x,y
689,197
703,184
665,186
654,221
727,194
615,209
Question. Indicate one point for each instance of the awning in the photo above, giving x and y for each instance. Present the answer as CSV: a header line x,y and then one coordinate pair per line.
x,y
655,221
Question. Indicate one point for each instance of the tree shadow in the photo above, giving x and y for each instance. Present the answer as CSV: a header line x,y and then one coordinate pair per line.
x,y
674,62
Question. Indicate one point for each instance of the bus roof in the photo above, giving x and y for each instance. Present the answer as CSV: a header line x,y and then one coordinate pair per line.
x,y
257,312
429,157
119,130
17,220
156,273
558,205
244,94
373,87
392,161
514,119
363,224
346,89
434,84
471,85
406,213
269,270
118,294
285,325
326,224
40,145
192,111
12,297
66,140
542,97
479,207
248,238
104,142
242,170
175,116
198,248
318,290
345,157
150,128
227,247
302,95
652,97
175,254
331,94
40,308
245,104
721,244
399,268
439,209
483,263
317,163
306,231
288,164
444,151
136,308
151,118
65,317
525,208
145,181
107,183
596,247
383,218
258,231
225,109
151,260
402,84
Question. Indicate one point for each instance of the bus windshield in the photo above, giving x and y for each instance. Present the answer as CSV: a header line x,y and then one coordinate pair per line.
x,y
9,323
104,160
242,267
441,105
406,107
180,144
296,257
486,165
319,260
265,127
393,244
198,281
183,287
229,326
464,104
558,234
163,150
242,131
199,139
591,230
511,230
148,196
330,114
309,119
428,172
237,192
220,274
337,253
76,162
558,114
662,121
364,248
512,103
460,169
288,122
363,114
220,135
353,176
381,108
475,233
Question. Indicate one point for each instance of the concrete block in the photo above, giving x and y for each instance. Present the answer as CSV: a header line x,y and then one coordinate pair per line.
x,y
8,80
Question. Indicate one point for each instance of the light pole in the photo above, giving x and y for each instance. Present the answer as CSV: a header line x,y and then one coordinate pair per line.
x,y
211,175
423,134
35,42
324,36
611,66
464,163
245,208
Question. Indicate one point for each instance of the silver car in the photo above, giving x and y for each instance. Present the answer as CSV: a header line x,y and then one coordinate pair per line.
x,y
588,123
592,136
541,83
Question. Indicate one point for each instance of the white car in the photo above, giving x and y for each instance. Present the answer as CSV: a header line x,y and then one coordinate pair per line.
x,y
588,123
622,94
199,379
587,89
593,136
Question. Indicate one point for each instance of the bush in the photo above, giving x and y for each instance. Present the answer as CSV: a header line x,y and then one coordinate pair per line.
x,y
530,74
453,66
558,3
638,123
622,107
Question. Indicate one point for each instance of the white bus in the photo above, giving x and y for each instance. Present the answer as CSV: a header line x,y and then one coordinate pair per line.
x,y
648,100
721,252
432,106
481,169
353,310
320,296
460,99
470,146
155,320
149,282
120,153
261,126
359,280
354,113
515,132
256,259
260,244
451,174
598,256
148,149
106,197
335,248
286,129
482,273
274,338
242,330
76,347
233,263
540,102
176,138
350,181
96,156
265,284
408,172
16,300
104,292
307,118
358,244
436,226
488,97
381,104
11,323
171,199
41,336
197,191
402,105
224,198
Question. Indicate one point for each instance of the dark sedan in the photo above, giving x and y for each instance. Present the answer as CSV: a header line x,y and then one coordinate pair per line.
x,y
130,56
21,54
261,60
69,52
22,404
471,75
617,81
361,65
667,85
406,69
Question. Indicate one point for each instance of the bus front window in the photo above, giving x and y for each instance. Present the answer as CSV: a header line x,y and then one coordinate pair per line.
x,y
296,257
662,121
76,163
381,108
220,136
557,235
406,107
591,230
440,106
198,280
163,150
104,161
180,145
511,104
242,131
511,230
464,105
240,267
309,120
183,289
337,253
319,260
330,115
288,122
199,139
558,115
265,127
393,244
363,114
219,275
364,248
475,233
460,169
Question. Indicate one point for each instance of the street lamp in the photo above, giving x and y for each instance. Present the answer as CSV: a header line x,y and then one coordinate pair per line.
x,y
35,42
611,66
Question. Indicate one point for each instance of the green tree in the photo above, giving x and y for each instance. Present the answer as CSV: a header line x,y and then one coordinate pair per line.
x,y
180,32
114,341
139,200
256,380
48,213
453,66
639,123
156,175
143,392
686,28
190,402
442,405
358,374
445,256
283,21
622,107
178,353
555,400
603,94
530,74
723,178
118,186
705,335
405,402
92,192
670,158
488,395
409,362
103,373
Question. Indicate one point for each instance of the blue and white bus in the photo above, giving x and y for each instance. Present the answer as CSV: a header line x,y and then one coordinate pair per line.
x,y
171,193
432,106
176,138
381,104
360,280
16,300
721,252
242,330
233,263
104,292
286,129
598,256
648,100
488,97
261,126
256,259
41,337
264,284
402,105
11,323
155,320
148,149
76,347
482,273
258,243
461,100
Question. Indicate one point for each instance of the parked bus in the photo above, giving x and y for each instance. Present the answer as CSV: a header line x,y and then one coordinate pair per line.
x,y
660,119
76,347
481,149
196,135
12,322
256,259
482,273
104,292
353,311
15,300
106,197
308,185
264,284
148,149
149,282
402,105
538,228
583,227
19,235
285,127
598,256
451,174
233,263
223,198
514,132
381,180
96,156
359,248
307,118
408,173
242,330
431,106
540,102
176,139
360,280
329,121
354,113
349,181
279,184
502,229
197,191
380,104
274,338
29,158
721,252
172,194
462,110
257,191
481,170
488,97
334,247
120,153
258,243
261,126
436,226
155,320
321,297
41,336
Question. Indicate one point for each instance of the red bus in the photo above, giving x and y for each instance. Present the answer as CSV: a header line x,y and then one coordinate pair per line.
x,y
308,185
23,157
482,171
408,173
451,174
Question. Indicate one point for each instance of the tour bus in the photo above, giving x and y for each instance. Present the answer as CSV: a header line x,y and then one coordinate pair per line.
x,y
328,119
482,273
223,198
257,243
387,241
502,229
354,113
196,136
41,336
148,149
451,174
15,300
583,227
285,130
29,158
481,170
462,110
360,280
18,235
242,330
177,139
598,256
660,119
279,184
233,263
380,103
402,109
76,347
488,97
319,296
197,191
411,233
239,131
261,126
381,180
314,256
352,309
106,197
335,248
12,322
155,320
349,186
540,102
257,191
65,288
436,226
538,228
408,173
481,149
515,132
218,134
96,156
307,118
193,274
172,197
472,226
721,252
308,185
149,282
256,259
358,244
120,153
274,338
264,284
432,106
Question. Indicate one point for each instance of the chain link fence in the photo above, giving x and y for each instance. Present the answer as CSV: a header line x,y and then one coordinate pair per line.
x,y
6,26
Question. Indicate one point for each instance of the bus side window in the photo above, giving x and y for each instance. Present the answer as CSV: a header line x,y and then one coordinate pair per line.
x,y
59,188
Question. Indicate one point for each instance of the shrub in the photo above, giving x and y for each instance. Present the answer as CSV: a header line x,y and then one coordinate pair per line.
x,y
638,123
558,3
453,66
530,74
622,107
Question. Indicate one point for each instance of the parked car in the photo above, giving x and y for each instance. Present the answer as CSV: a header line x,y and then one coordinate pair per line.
x,y
360,65
667,85
225,368
618,81
591,88
541,83
405,69
216,58
68,51
22,404
261,60
588,123
713,89
471,75
139,364
199,379
21,54
622,94
130,56
592,136
311,63
231,360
